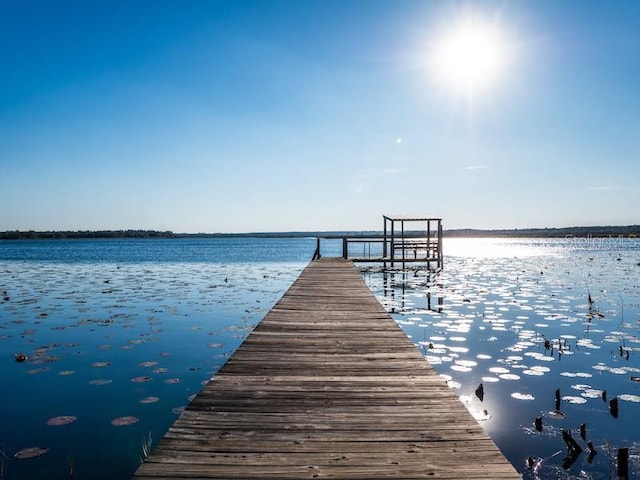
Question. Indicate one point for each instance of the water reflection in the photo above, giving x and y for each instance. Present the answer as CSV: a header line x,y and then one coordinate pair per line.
x,y
98,359
396,284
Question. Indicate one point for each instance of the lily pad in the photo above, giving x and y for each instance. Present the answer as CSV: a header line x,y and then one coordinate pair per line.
x,y
149,400
122,421
31,452
62,420
100,364
522,396
100,381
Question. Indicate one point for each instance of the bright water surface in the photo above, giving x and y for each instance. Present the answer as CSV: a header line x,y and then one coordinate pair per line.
x,y
133,328
515,316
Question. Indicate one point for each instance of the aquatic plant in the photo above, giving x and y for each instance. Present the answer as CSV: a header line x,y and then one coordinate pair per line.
x,y
146,447
3,456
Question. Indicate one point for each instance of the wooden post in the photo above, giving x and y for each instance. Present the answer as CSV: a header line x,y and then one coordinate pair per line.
x,y
384,242
440,256
428,241
613,407
345,248
393,241
538,424
623,464
403,242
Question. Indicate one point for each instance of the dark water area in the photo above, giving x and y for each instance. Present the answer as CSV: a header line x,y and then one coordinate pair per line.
x,y
118,335
104,342
162,250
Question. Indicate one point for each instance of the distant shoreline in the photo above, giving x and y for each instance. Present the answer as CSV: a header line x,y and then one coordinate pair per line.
x,y
631,231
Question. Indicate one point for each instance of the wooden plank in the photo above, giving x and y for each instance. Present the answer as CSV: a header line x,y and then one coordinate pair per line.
x,y
326,386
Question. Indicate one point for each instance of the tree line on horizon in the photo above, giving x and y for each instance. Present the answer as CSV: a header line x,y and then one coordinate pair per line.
x,y
61,235
594,231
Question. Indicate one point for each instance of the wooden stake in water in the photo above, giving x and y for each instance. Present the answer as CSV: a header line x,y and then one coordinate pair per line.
x,y
538,423
623,464
613,407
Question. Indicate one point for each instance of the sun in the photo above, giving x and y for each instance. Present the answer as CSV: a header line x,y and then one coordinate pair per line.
x,y
470,56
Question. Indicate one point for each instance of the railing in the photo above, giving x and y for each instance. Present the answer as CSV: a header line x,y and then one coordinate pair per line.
x,y
378,249
316,254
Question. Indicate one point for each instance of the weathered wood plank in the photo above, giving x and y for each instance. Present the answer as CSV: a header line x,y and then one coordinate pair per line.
x,y
326,386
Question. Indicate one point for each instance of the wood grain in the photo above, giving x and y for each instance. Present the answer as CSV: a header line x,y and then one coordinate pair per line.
x,y
326,386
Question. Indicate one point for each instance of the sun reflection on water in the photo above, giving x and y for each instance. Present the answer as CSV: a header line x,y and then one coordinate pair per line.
x,y
501,247
533,320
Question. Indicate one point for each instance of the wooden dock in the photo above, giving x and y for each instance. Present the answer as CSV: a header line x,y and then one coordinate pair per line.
x,y
326,386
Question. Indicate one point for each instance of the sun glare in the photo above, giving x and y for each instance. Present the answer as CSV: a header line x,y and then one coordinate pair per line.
x,y
469,57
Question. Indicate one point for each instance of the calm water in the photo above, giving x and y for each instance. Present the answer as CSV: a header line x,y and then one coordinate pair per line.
x,y
127,331
121,328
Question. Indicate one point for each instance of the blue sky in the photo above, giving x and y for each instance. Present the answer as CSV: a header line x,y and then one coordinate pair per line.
x,y
239,116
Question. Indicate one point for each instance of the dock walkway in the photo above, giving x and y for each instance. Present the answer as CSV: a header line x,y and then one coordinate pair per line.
x,y
326,386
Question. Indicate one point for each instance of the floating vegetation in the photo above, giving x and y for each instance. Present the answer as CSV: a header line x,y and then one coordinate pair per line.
x,y
481,415
557,414
147,364
35,371
574,400
576,374
62,420
100,364
100,381
627,397
149,400
499,370
31,452
123,421
522,396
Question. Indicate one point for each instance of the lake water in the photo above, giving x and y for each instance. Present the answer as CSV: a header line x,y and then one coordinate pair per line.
x,y
527,318
118,335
